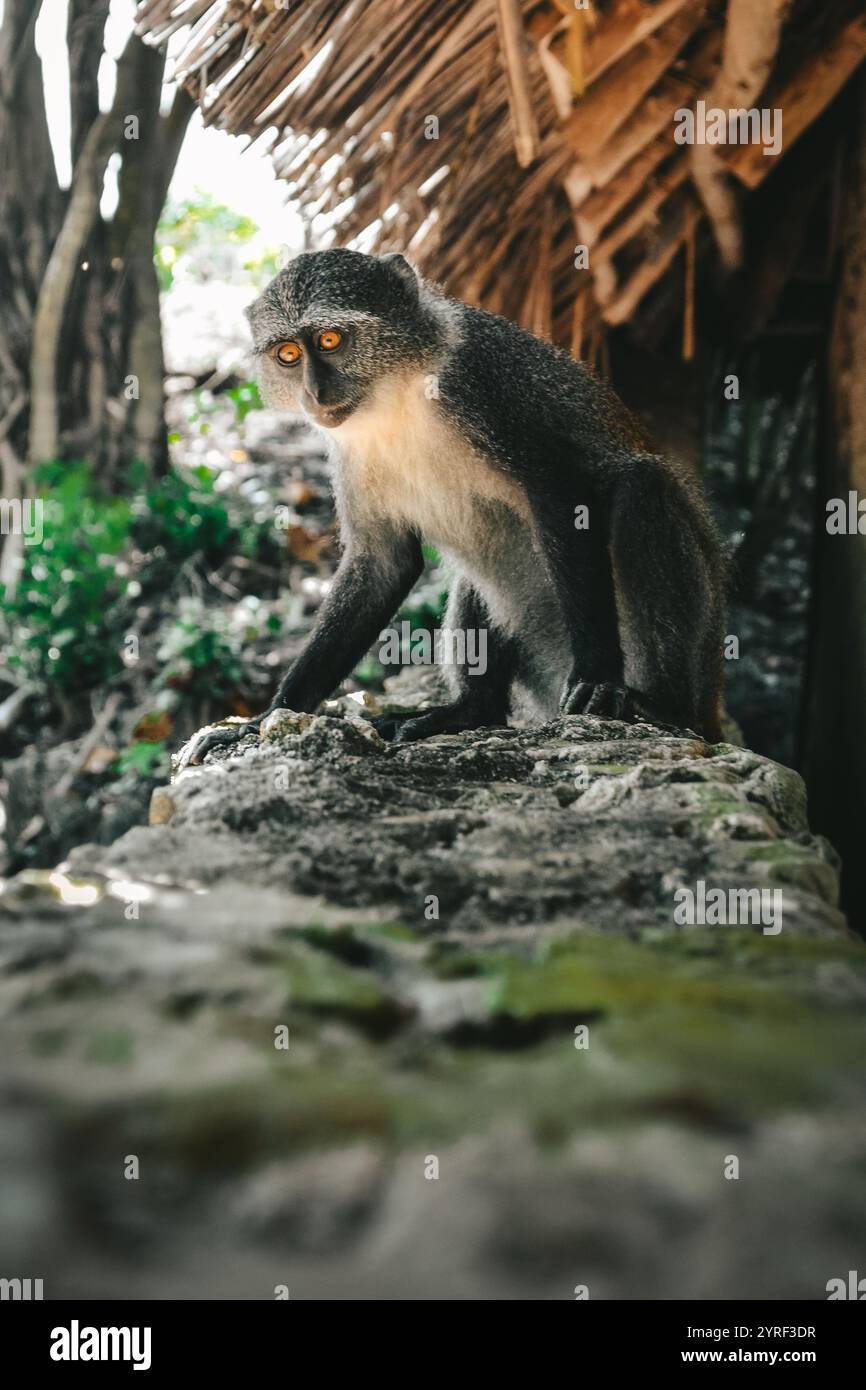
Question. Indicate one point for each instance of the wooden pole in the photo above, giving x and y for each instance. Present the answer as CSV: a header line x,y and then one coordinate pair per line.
x,y
515,60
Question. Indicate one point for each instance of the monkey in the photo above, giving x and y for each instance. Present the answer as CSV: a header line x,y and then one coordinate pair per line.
x,y
590,562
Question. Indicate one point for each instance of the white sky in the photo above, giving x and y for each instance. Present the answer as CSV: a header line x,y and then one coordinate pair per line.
x,y
210,160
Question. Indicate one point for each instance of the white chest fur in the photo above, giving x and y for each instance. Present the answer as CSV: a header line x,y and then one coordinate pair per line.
x,y
401,458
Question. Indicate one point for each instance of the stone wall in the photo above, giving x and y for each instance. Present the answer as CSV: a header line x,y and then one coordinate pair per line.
x,y
422,1022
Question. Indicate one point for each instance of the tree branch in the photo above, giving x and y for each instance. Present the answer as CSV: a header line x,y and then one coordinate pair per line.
x,y
101,141
85,31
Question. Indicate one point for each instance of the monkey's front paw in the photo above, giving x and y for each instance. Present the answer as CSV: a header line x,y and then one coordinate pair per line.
x,y
214,736
602,698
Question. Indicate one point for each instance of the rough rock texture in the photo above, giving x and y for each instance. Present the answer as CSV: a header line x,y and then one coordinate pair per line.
x,y
585,1074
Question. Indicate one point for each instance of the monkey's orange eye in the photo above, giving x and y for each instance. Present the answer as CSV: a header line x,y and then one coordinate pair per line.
x,y
288,354
330,339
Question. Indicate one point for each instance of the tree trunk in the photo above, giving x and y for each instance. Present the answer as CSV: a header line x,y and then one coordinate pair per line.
x,y
835,715
79,303
31,207
54,292
85,28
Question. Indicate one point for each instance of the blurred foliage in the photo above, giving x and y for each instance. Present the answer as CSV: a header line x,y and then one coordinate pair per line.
x,y
203,405
245,398
208,241
202,651
183,515
56,623
103,557
145,760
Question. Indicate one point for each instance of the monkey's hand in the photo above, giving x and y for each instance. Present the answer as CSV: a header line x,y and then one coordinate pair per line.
x,y
602,698
222,735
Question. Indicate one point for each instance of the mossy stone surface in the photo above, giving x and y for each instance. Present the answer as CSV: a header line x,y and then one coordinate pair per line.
x,y
446,956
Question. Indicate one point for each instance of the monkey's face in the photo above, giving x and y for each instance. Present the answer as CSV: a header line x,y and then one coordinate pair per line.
x,y
330,326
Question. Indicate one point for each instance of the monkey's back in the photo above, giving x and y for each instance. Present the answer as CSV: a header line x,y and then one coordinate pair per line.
x,y
517,395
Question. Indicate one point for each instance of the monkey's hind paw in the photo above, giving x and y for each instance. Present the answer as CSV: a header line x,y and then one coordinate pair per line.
x,y
442,719
386,725
214,736
602,698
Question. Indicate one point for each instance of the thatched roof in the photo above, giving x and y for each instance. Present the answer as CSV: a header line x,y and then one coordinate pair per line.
x,y
490,138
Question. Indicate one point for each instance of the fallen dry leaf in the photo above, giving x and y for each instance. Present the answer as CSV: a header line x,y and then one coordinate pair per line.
x,y
151,729
305,545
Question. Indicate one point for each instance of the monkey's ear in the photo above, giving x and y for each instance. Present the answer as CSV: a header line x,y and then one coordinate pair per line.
x,y
401,267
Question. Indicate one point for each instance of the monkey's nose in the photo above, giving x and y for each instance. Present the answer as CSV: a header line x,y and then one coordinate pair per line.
x,y
329,414
319,399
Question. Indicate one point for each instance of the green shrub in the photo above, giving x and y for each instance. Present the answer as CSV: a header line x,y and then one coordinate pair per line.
x,y
182,515
101,556
200,654
145,760
59,622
